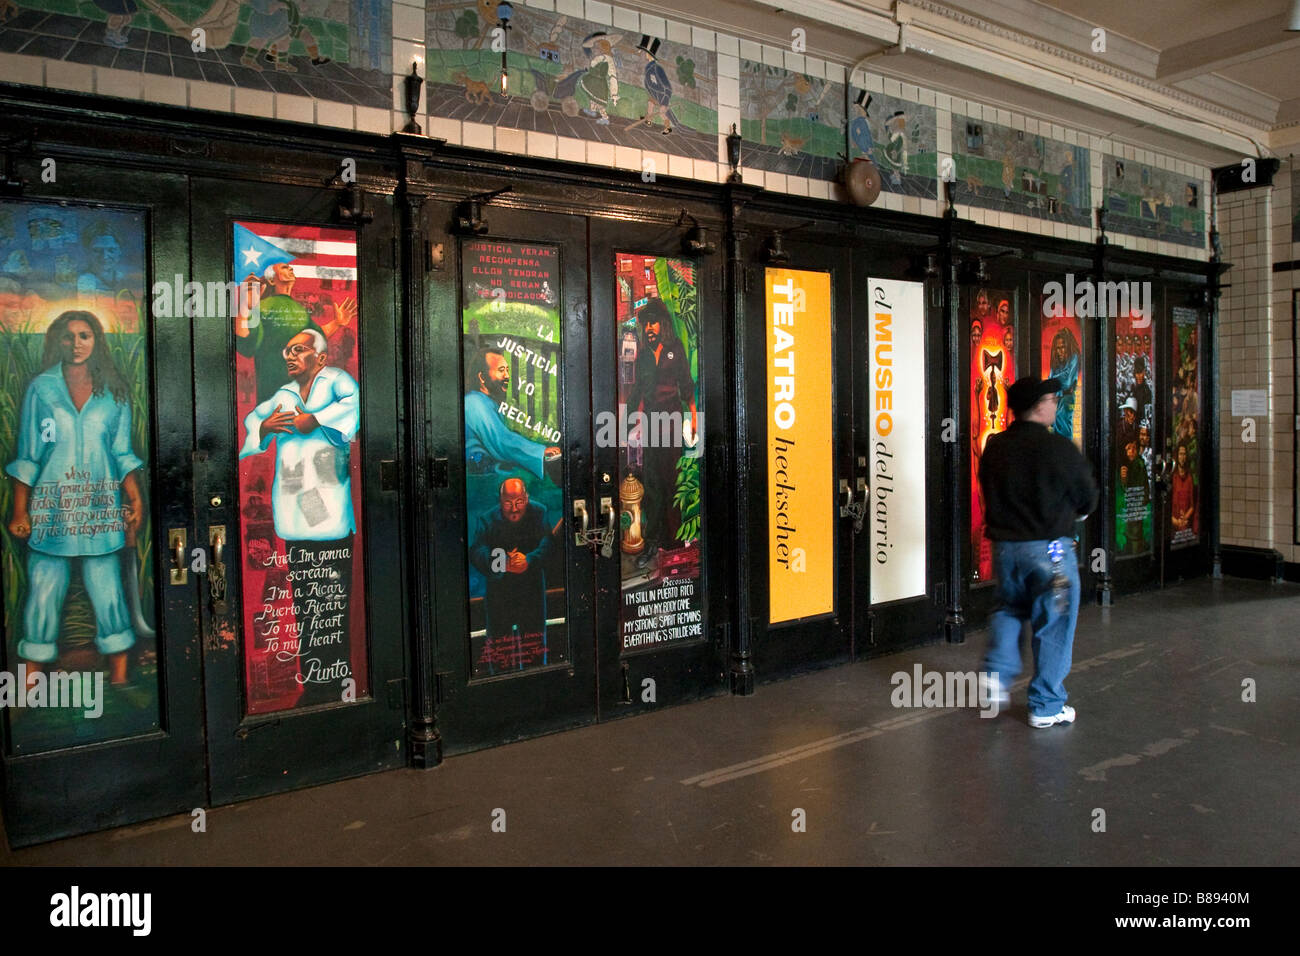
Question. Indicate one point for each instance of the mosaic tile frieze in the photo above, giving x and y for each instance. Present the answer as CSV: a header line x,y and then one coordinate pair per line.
x,y
337,50
1019,172
790,122
899,137
1153,203
568,76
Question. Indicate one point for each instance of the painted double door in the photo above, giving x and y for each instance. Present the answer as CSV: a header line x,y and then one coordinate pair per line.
x,y
843,388
1140,371
577,388
202,590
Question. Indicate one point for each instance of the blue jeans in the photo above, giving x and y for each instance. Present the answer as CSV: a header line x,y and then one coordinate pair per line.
x,y
1024,572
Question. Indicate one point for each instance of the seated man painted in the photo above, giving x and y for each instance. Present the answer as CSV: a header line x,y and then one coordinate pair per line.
x,y
490,444
509,548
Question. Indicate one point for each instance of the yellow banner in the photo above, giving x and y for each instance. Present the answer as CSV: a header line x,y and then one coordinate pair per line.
x,y
800,472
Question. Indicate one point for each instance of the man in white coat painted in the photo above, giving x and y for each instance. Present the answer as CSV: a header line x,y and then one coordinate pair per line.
x,y
313,420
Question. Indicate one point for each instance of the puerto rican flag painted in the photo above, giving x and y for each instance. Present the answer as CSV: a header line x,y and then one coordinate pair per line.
x,y
318,253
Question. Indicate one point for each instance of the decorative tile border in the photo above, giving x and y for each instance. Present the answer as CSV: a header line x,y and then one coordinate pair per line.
x,y
709,81
1152,201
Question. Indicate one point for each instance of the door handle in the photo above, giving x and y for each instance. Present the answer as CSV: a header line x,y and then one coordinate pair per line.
x,y
852,507
180,572
580,513
607,537
861,511
217,570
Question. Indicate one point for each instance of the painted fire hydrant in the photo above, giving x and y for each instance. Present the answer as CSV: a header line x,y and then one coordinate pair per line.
x,y
630,493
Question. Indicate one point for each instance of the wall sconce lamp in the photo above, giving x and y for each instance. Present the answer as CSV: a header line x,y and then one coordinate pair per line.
x,y
924,264
733,155
469,219
774,251
696,241
351,208
411,87
505,10
11,185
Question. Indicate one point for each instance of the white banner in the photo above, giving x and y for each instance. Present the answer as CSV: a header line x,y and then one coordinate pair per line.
x,y
896,417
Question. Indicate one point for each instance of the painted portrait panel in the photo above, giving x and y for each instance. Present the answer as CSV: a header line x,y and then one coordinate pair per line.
x,y
75,413
298,404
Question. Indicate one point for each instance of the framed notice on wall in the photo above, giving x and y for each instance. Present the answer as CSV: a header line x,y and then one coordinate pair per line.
x,y
896,415
800,479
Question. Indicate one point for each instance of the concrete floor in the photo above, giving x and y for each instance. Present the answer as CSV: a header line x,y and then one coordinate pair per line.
x,y
1186,772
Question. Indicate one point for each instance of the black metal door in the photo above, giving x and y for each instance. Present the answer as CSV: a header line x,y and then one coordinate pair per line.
x,y
993,315
899,434
509,380
96,438
1061,344
659,380
801,553
296,436
1138,388
1182,459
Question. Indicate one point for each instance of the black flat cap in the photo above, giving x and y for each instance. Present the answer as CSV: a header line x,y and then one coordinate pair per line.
x,y
1023,394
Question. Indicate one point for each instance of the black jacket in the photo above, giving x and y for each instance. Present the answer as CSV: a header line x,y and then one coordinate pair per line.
x,y
1036,484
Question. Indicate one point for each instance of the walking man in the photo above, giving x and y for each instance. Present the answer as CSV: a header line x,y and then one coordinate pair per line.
x,y
1036,485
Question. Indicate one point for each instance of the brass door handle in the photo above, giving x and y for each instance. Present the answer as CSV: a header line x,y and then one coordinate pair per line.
x,y
217,536
580,513
611,519
176,545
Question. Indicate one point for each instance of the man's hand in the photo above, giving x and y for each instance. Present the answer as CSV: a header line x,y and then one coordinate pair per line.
x,y
516,563
346,311
277,422
305,422
249,293
1123,472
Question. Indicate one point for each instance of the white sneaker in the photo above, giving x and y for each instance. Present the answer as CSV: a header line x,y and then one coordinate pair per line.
x,y
995,692
1066,716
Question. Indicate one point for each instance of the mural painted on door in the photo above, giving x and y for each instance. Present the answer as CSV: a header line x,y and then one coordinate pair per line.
x,y
1185,481
80,655
1062,360
659,432
299,411
992,369
513,466
1134,424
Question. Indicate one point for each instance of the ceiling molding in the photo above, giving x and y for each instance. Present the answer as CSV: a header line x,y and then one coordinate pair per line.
x,y
1238,45
1055,51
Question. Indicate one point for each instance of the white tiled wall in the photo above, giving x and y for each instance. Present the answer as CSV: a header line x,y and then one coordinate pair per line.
x,y
408,18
